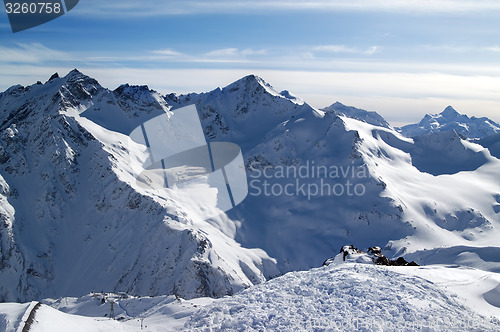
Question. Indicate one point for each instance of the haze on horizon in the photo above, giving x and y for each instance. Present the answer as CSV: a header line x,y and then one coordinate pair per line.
x,y
400,58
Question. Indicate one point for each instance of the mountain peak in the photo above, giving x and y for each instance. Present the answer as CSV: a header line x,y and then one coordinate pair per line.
x,y
80,86
131,89
255,85
356,113
53,77
72,76
74,72
253,77
450,112
451,120
77,76
253,81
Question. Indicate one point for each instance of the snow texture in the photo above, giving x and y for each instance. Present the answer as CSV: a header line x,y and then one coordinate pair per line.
x,y
349,297
345,296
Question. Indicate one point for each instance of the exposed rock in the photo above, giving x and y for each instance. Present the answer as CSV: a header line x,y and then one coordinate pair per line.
x,y
352,254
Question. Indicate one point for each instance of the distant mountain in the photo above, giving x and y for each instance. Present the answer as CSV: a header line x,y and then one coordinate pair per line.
x,y
359,114
450,120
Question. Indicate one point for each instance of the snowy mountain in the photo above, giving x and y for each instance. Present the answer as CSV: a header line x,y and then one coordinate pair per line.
x,y
298,229
76,221
399,195
244,112
451,120
359,114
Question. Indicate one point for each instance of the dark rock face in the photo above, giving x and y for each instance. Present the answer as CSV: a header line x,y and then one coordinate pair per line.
x,y
375,253
380,259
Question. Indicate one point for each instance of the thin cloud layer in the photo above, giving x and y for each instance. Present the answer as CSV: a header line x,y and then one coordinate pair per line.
x,y
175,7
346,49
235,52
31,53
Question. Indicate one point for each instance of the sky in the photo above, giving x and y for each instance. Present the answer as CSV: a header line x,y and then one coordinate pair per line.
x,y
401,58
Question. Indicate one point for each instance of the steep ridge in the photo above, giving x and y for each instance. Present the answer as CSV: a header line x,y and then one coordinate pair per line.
x,y
75,221
359,114
243,112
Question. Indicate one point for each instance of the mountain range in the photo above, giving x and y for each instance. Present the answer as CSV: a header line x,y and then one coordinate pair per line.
x,y
451,120
74,219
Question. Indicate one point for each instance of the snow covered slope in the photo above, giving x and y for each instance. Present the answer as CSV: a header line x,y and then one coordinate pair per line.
x,y
451,120
301,227
349,297
345,296
359,114
15,317
323,181
244,112
74,219
446,153
341,296
159,313
492,143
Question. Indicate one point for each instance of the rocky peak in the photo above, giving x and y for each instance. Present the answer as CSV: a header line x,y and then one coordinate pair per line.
x,y
450,112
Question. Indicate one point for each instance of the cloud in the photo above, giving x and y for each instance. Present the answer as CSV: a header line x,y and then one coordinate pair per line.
x,y
345,49
373,49
451,48
100,8
226,52
167,53
297,58
335,49
235,52
495,49
31,53
460,48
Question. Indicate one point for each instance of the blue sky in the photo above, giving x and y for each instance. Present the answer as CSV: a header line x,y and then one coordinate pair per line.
x,y
402,58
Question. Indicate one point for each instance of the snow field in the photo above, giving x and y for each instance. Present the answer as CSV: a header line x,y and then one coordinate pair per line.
x,y
346,297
